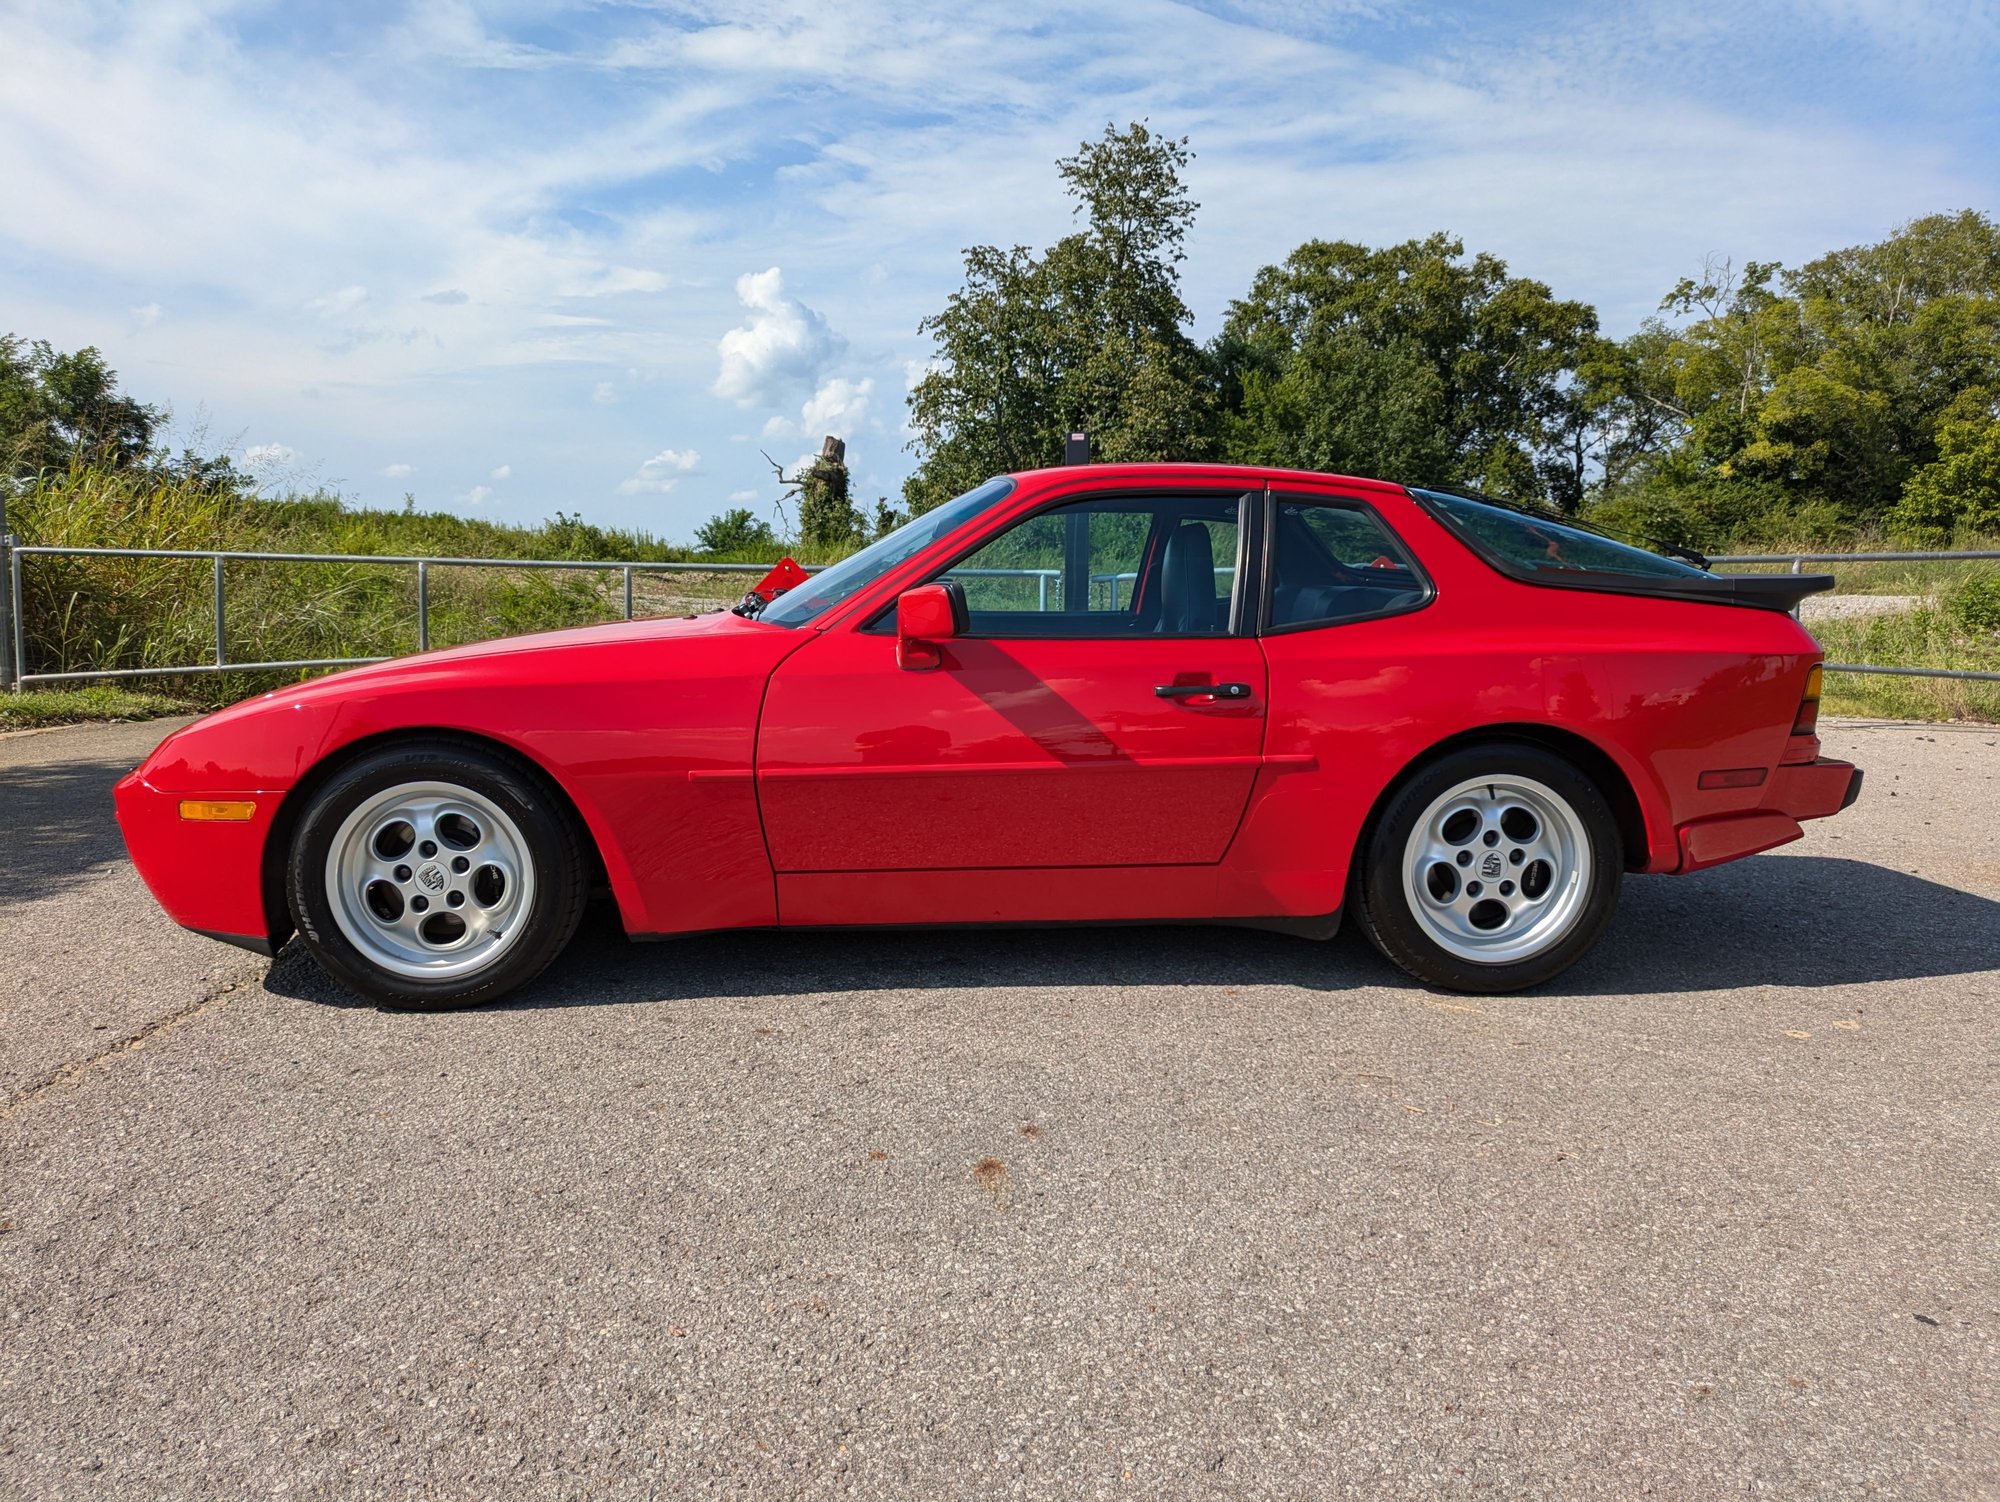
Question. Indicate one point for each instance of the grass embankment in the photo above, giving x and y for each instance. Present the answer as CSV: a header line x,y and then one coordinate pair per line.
x,y
37,709
158,612
1959,628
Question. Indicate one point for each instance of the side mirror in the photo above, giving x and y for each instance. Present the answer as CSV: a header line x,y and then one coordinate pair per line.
x,y
925,616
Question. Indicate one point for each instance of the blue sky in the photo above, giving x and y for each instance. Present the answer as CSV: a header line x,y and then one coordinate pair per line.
x,y
518,258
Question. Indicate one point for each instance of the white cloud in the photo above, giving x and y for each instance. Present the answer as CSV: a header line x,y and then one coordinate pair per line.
x,y
604,393
477,496
502,473
781,349
661,473
338,304
399,471
269,456
147,314
837,407
742,495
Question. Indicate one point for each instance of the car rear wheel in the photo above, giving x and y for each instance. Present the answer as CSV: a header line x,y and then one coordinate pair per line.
x,y
1492,869
434,875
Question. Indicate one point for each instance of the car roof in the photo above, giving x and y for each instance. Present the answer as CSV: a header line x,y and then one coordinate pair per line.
x,y
1181,472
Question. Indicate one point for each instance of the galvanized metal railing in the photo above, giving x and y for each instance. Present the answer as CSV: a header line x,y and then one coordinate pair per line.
x,y
1797,562
14,630
17,654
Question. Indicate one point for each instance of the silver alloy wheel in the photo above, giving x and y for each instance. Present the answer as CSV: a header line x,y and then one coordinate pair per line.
x,y
1498,869
430,881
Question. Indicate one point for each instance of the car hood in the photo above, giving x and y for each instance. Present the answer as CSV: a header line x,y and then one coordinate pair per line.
x,y
611,634
330,690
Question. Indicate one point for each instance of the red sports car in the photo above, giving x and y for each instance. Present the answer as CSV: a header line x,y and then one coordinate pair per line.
x,y
1109,693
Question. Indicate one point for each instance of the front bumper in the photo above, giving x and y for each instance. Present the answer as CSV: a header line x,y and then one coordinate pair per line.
x,y
208,876
1806,790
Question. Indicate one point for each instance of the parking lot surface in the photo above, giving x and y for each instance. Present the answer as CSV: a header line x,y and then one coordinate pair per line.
x,y
1144,1213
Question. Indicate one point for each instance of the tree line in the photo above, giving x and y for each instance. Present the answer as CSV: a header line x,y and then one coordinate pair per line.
x,y
1859,393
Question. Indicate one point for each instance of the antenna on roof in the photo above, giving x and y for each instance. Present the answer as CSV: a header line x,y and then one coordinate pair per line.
x,y
1077,449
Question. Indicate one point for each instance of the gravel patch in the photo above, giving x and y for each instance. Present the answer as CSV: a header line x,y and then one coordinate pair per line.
x,y
1852,607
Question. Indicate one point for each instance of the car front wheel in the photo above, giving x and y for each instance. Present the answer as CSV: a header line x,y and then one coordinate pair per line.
x,y
1492,869
434,875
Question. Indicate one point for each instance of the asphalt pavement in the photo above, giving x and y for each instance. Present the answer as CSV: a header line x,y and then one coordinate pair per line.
x,y
1141,1213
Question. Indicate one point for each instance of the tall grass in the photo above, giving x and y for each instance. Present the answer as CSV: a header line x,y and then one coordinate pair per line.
x,y
99,613
1958,629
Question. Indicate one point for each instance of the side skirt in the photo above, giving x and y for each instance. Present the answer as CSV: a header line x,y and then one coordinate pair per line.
x,y
1319,928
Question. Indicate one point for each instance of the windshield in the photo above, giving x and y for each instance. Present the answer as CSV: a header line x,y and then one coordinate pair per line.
x,y
1542,545
831,585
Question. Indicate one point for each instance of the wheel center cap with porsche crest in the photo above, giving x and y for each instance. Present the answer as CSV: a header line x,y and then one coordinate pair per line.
x,y
431,877
1491,865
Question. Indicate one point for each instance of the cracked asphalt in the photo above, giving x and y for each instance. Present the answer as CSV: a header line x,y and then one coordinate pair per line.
x,y
1135,1213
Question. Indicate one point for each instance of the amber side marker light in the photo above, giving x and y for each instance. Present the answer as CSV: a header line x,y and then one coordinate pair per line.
x,y
217,811
1808,717
1737,777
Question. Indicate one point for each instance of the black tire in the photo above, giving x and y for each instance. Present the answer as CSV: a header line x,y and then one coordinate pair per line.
x,y
1385,904
550,844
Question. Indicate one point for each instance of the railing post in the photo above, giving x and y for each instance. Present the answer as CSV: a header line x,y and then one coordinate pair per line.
x,y
628,591
1042,592
423,606
10,606
221,648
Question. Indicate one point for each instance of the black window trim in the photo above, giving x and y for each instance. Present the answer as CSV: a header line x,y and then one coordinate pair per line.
x,y
1248,516
1267,573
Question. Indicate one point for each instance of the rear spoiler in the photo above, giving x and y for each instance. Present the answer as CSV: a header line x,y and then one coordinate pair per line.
x,y
1763,591
1767,591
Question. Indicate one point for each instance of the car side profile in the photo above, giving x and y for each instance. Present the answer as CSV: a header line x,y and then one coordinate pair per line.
x,y
1103,693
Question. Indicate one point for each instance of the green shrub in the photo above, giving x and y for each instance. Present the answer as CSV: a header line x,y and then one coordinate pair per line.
x,y
1974,605
1959,493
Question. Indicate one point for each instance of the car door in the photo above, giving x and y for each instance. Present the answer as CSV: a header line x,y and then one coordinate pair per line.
x,y
1105,708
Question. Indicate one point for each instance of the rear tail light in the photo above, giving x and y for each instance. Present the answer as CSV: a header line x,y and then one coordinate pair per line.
x,y
1807,722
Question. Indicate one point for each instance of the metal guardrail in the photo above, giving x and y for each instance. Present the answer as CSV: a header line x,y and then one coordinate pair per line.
x,y
14,630
1799,560
16,657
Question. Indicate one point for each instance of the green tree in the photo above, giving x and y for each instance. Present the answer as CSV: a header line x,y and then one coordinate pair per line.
x,y
1090,335
55,408
1802,403
1958,492
887,517
1411,362
739,530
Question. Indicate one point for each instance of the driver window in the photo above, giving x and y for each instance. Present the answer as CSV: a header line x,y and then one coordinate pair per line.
x,y
1121,566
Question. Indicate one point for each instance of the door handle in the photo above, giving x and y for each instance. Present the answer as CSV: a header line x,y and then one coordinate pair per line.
x,y
1202,691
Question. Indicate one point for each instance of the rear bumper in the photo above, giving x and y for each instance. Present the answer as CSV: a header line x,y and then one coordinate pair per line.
x,y
1814,789
1809,790
208,876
